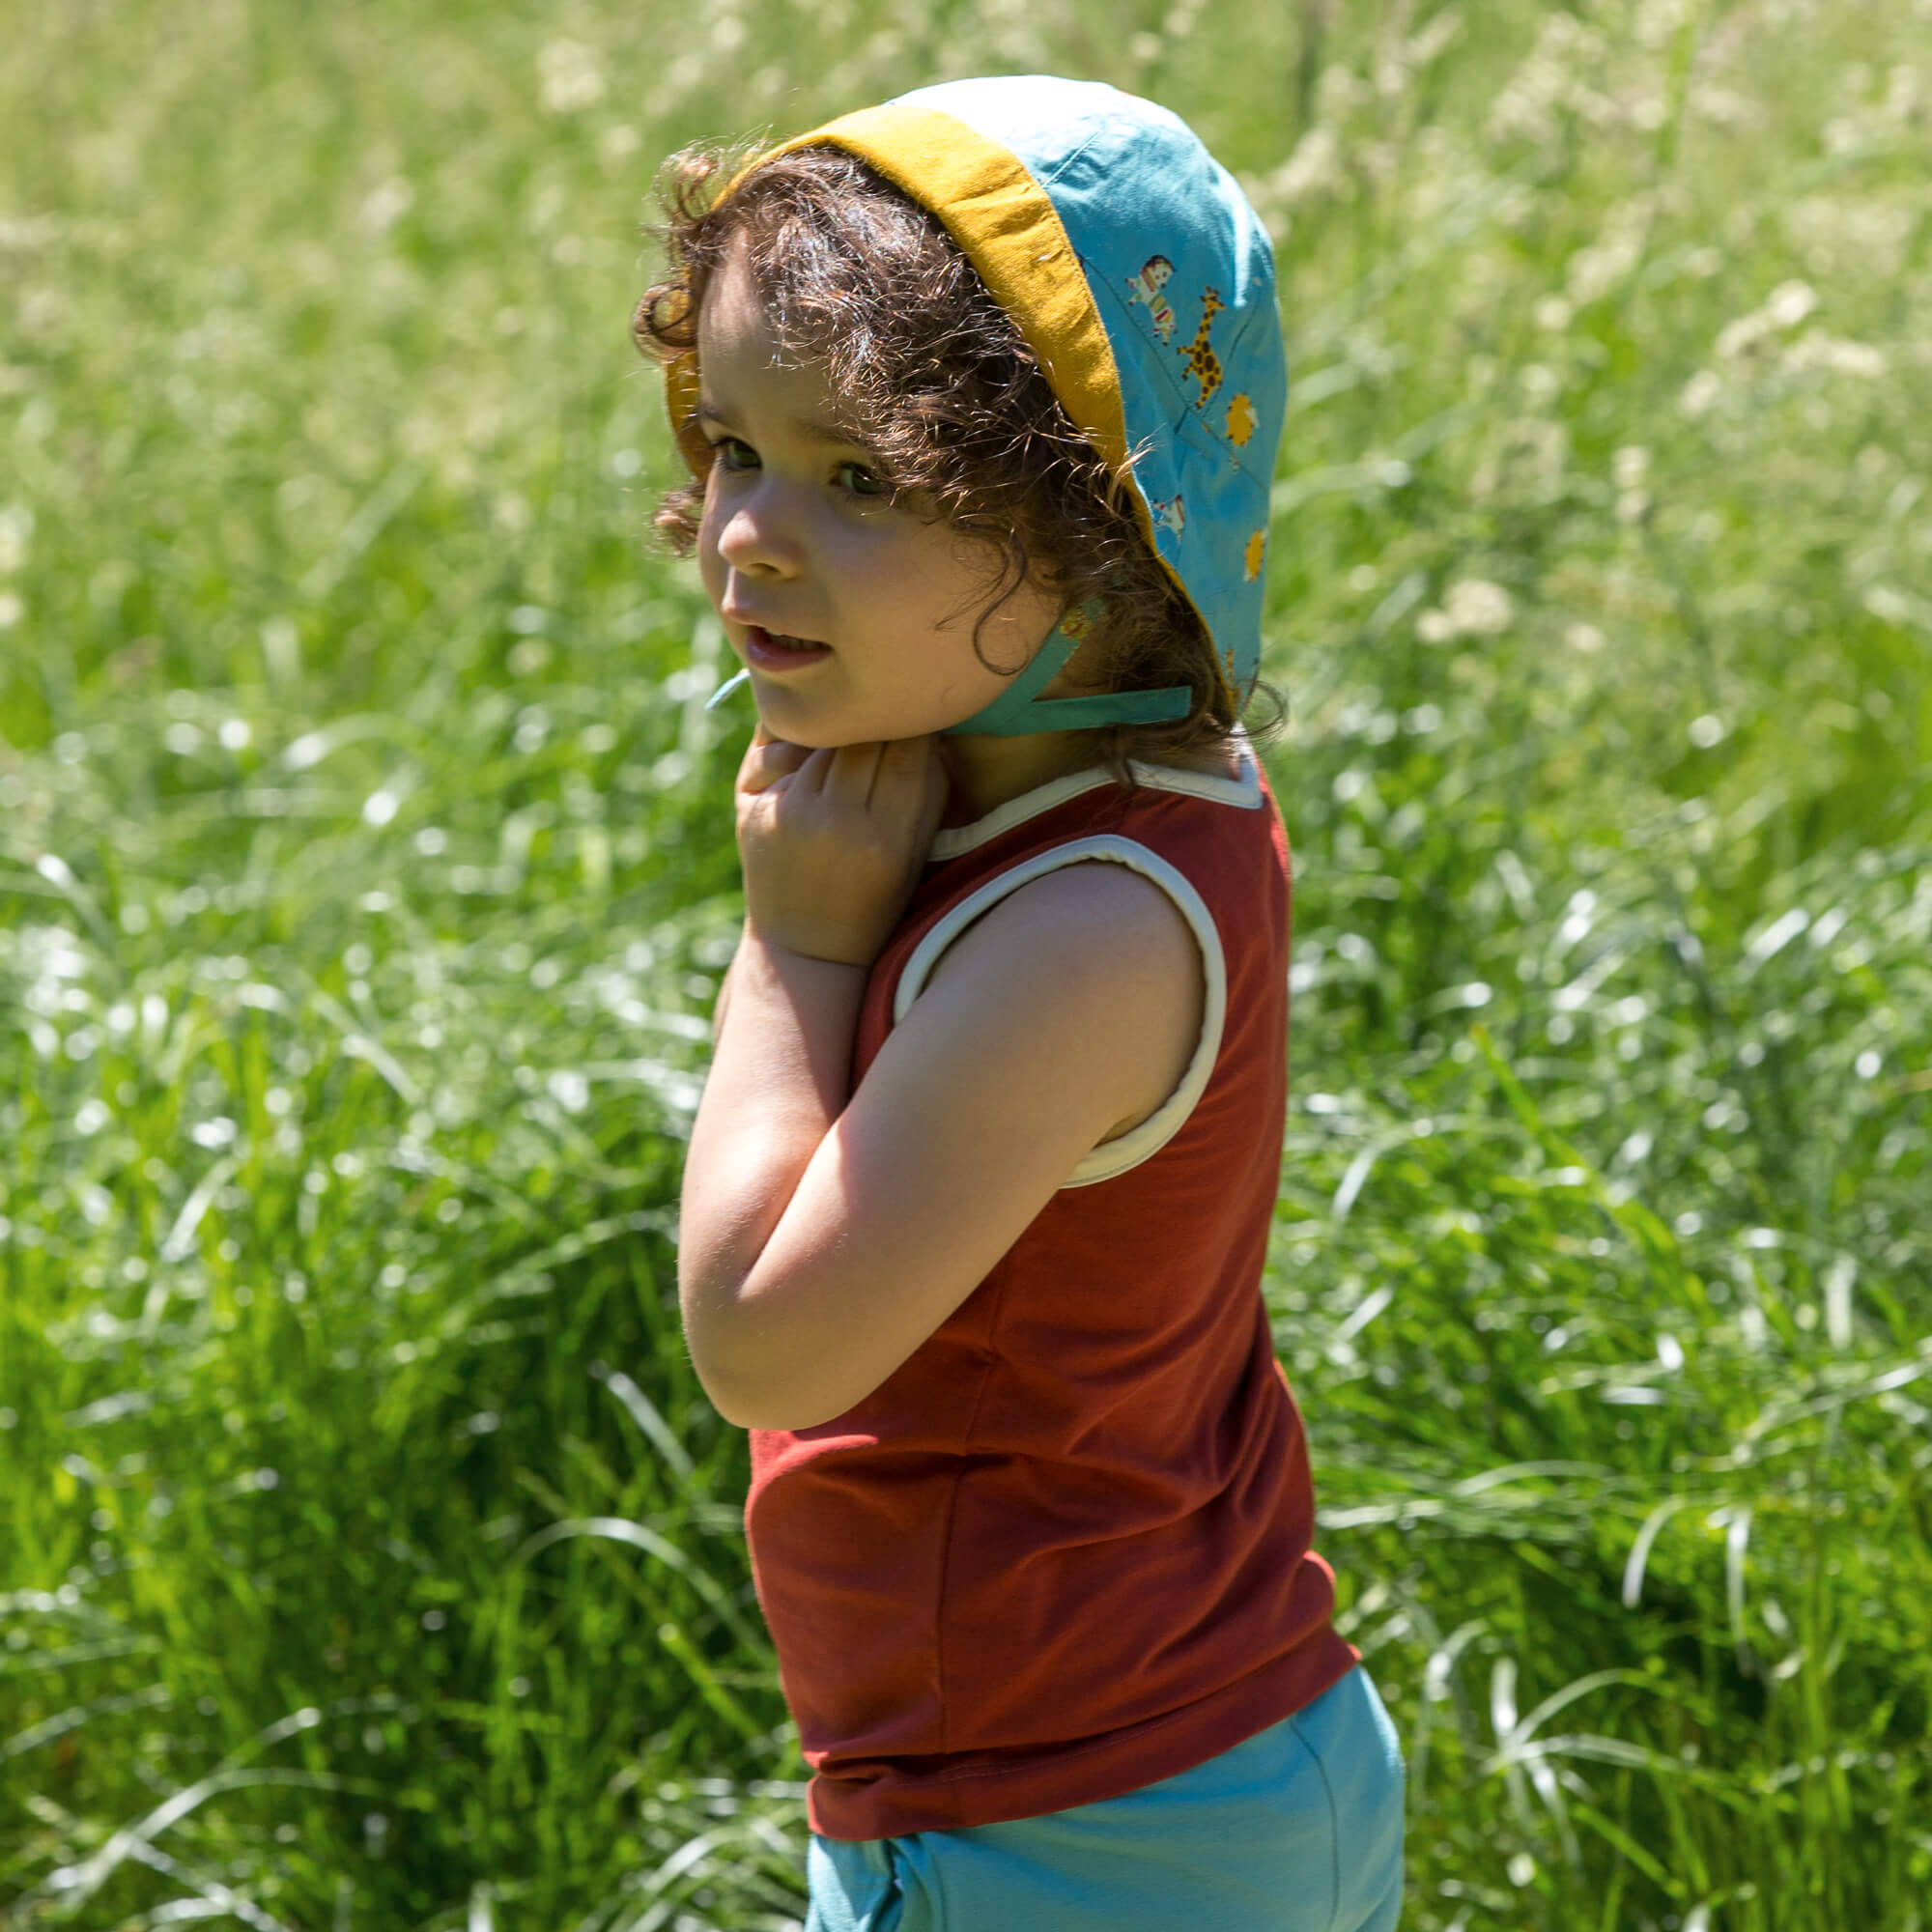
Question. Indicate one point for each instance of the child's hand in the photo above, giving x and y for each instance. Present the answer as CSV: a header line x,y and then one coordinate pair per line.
x,y
833,842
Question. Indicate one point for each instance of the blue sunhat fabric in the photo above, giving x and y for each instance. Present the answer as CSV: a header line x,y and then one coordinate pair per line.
x,y
1182,274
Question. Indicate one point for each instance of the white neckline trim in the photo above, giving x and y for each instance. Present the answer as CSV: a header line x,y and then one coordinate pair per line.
x,y
1244,790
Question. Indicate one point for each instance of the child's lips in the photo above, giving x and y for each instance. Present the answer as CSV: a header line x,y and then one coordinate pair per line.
x,y
775,650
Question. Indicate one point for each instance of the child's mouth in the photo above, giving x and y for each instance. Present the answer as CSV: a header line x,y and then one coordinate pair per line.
x,y
775,649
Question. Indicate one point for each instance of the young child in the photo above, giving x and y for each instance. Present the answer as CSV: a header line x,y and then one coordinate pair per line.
x,y
978,1194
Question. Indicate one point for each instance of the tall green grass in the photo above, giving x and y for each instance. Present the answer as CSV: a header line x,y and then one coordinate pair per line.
x,y
369,1556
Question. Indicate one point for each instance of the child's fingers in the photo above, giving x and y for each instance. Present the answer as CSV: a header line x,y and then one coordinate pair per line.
x,y
768,759
850,774
909,777
906,761
887,775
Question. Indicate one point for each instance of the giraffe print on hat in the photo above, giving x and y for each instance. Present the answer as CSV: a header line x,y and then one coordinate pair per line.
x,y
1203,364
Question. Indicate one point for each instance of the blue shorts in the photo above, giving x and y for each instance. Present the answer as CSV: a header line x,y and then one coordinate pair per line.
x,y
1297,1829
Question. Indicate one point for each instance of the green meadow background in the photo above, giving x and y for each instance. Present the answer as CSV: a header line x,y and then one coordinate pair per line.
x,y
369,1555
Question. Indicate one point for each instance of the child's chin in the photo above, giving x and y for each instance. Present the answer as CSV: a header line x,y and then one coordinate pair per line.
x,y
814,738
821,734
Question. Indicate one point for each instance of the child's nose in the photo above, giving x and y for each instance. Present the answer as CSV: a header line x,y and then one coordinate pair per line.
x,y
759,537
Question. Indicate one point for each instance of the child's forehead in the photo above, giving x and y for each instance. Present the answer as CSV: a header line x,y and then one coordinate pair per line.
x,y
745,296
745,360
737,316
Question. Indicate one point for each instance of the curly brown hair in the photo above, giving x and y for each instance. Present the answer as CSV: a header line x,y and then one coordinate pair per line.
x,y
938,381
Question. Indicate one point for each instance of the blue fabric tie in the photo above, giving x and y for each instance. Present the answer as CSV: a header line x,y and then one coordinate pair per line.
x,y
1020,712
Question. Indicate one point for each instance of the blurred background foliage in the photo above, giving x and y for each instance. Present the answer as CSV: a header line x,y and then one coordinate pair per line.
x,y
369,1556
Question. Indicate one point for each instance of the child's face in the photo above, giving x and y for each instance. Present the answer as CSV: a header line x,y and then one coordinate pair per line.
x,y
798,541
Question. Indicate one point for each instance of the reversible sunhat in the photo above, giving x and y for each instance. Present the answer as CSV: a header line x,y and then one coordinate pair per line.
x,y
1144,283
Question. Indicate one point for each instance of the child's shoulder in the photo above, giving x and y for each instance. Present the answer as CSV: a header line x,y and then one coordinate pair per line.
x,y
1102,928
1108,972
1079,925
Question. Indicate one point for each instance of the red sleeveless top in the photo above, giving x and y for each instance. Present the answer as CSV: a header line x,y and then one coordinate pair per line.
x,y
1064,1549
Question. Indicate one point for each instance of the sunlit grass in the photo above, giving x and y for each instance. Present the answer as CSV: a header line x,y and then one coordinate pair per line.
x,y
368,1554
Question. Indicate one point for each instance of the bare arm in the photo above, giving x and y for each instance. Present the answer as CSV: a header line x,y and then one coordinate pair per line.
x,y
827,1236
831,842
779,1080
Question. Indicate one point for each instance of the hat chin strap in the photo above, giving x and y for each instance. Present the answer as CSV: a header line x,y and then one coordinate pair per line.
x,y
1020,712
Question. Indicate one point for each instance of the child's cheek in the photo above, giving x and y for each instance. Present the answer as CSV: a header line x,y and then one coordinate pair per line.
x,y
710,565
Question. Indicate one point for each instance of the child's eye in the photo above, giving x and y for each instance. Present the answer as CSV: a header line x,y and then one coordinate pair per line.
x,y
861,481
735,454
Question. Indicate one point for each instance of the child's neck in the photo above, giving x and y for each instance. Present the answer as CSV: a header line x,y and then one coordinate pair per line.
x,y
987,772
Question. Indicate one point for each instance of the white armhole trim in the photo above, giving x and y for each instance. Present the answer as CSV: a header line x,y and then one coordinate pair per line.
x,y
1128,1149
